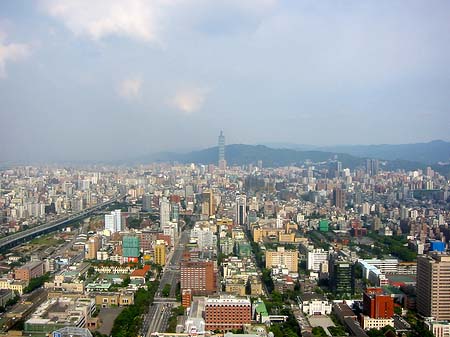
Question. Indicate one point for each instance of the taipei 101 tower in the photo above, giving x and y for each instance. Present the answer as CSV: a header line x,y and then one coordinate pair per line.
x,y
222,161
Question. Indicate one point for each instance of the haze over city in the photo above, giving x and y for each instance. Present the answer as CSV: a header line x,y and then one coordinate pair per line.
x,y
101,80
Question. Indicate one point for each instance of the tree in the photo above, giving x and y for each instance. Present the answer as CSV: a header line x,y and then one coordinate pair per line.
x,y
166,290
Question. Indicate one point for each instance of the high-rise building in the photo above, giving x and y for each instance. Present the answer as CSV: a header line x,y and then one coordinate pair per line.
x,y
93,245
160,254
131,248
377,304
433,286
341,273
241,209
227,312
208,203
113,221
372,167
339,198
147,202
164,212
282,257
221,143
199,276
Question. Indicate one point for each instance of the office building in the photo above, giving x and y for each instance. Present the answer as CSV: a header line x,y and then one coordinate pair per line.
x,y
339,198
113,221
341,273
227,313
30,270
282,258
164,212
377,304
372,167
92,247
160,254
433,286
316,258
147,200
131,248
241,209
199,277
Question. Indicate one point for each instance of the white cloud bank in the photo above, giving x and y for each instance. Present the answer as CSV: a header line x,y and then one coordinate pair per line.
x,y
11,52
130,88
189,100
137,19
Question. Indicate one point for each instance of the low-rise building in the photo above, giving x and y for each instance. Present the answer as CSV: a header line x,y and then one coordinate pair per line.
x,y
30,270
13,285
314,304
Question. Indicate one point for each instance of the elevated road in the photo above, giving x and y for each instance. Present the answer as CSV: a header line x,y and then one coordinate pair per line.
x,y
15,239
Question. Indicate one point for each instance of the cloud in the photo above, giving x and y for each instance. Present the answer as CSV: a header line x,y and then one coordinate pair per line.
x,y
130,88
138,19
11,52
189,100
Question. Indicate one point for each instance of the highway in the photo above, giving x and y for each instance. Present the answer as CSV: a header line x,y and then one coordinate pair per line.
x,y
20,237
160,310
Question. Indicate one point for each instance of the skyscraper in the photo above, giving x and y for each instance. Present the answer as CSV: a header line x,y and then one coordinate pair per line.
x,y
113,221
339,198
221,144
164,212
241,209
433,286
372,167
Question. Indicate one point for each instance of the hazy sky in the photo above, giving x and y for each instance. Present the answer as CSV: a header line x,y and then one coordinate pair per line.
x,y
105,79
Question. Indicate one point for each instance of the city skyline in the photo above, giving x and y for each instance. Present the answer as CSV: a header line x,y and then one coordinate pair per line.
x,y
82,81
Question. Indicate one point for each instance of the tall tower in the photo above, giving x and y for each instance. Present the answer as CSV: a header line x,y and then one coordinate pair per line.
x,y
221,144
164,212
339,198
241,209
433,286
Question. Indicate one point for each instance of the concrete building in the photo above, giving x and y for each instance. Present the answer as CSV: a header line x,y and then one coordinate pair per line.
x,y
227,312
60,312
92,247
131,248
199,277
316,258
241,209
314,304
160,254
439,328
433,286
113,221
13,285
30,270
377,304
282,257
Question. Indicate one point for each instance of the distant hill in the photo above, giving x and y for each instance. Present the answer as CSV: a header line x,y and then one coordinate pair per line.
x,y
426,153
240,154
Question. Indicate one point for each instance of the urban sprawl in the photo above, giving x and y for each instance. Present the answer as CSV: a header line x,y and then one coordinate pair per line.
x,y
202,250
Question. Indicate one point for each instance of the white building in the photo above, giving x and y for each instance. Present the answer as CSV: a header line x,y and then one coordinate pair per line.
x,y
316,258
113,221
376,323
164,212
313,304
439,328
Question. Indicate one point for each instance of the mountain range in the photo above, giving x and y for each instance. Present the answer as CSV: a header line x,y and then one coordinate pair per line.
x,y
428,153
402,156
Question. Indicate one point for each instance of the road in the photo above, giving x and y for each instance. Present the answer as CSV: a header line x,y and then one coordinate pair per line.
x,y
17,238
160,310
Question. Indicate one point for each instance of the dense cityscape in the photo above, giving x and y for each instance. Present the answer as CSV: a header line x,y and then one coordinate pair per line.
x,y
224,168
198,250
